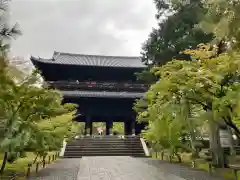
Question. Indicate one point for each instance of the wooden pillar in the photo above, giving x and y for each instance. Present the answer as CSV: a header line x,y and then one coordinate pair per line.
x,y
107,128
91,127
87,125
127,127
109,125
133,127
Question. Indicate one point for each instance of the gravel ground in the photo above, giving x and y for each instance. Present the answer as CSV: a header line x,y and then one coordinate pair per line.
x,y
119,168
62,169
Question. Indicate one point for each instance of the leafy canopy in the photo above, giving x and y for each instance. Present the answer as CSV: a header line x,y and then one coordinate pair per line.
x,y
222,18
191,92
176,32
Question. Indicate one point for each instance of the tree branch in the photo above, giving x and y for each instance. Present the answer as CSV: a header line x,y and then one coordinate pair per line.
x,y
205,106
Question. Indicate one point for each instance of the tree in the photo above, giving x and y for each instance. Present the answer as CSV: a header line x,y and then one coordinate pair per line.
x,y
208,84
22,105
118,127
175,33
222,19
165,132
6,31
48,135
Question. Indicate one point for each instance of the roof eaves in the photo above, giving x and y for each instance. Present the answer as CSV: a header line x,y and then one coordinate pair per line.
x,y
52,61
95,55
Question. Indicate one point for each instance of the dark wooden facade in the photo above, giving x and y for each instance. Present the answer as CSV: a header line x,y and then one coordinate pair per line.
x,y
104,87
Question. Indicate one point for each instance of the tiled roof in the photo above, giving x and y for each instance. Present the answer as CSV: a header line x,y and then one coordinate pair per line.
x,y
92,60
103,94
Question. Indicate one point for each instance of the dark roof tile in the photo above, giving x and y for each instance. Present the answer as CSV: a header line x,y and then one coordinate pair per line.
x,y
93,60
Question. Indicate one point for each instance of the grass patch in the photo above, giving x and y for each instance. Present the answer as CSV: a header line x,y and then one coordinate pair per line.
x,y
20,166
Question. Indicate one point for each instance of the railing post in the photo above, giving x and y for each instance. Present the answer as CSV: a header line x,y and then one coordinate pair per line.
x,y
193,163
98,85
37,167
44,162
210,168
49,159
162,155
28,170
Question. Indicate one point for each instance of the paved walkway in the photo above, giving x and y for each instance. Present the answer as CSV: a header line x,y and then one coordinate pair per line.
x,y
119,168
62,169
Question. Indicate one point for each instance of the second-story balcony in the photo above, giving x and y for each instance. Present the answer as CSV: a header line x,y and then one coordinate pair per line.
x,y
91,85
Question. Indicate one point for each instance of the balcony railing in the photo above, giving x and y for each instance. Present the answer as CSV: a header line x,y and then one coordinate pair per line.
x,y
97,85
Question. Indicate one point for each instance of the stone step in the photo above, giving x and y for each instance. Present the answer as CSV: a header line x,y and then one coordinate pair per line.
x,y
107,140
105,145
104,150
102,147
101,150
109,137
80,156
71,157
103,154
104,142
105,137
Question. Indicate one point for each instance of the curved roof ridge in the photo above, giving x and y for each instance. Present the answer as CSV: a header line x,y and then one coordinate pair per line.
x,y
92,60
93,55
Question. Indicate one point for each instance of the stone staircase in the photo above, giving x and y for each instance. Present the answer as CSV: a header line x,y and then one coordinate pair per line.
x,y
104,146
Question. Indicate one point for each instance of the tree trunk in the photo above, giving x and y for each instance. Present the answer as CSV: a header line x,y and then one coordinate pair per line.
x,y
178,157
234,127
170,158
233,152
195,152
35,159
215,144
4,162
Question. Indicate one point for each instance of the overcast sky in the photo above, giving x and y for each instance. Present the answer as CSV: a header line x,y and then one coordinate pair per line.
x,y
107,27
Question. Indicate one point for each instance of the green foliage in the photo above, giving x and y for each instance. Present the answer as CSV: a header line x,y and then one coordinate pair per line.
x,y
70,107
66,108
191,93
48,134
29,113
118,127
223,18
6,32
23,105
146,77
176,32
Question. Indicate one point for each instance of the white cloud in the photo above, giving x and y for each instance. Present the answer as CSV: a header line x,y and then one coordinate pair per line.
x,y
110,27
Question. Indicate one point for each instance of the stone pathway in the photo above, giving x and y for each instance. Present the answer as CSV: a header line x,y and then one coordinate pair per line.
x,y
62,169
118,168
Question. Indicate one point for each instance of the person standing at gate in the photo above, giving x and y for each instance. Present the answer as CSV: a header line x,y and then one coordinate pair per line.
x,y
100,131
